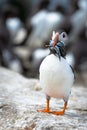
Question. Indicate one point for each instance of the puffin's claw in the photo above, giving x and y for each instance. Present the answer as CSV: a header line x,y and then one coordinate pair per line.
x,y
57,112
44,110
60,112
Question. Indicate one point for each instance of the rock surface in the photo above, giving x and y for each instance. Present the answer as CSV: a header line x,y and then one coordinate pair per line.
x,y
20,98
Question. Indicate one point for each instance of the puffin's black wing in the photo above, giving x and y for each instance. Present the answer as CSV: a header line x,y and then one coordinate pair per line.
x,y
73,71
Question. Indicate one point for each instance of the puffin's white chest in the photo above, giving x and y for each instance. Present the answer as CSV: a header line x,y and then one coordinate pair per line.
x,y
56,76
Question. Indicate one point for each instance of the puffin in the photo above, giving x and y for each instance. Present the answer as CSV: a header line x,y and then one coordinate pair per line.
x,y
55,73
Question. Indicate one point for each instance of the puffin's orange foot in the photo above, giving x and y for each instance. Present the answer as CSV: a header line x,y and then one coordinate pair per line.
x,y
58,112
44,110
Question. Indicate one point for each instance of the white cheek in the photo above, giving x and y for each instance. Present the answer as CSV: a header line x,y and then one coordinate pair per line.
x,y
61,38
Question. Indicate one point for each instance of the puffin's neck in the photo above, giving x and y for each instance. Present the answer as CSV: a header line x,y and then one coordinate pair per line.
x,y
54,53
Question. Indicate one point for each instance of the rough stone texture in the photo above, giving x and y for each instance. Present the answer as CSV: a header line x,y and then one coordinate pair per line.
x,y
20,98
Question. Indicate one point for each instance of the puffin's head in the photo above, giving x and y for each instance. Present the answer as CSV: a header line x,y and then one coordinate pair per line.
x,y
56,45
56,38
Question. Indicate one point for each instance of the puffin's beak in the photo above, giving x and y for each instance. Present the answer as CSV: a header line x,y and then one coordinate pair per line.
x,y
55,39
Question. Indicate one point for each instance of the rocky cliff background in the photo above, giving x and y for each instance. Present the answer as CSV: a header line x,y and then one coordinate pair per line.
x,y
26,27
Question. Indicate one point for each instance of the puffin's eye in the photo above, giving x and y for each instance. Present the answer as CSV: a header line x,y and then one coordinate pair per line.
x,y
63,37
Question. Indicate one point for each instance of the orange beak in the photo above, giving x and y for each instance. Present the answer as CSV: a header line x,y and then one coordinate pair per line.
x,y
56,39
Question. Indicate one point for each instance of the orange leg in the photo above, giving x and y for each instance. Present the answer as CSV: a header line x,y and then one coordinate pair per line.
x,y
60,112
46,110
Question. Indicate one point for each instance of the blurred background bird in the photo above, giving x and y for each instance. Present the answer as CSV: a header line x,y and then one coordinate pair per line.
x,y
56,75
